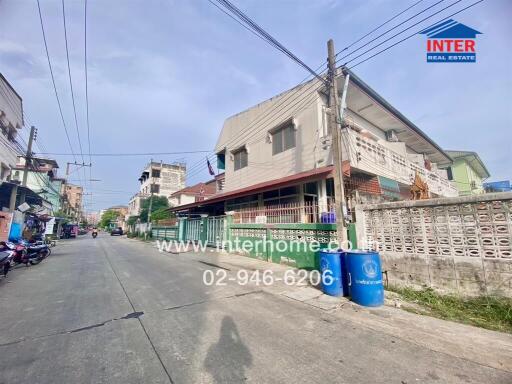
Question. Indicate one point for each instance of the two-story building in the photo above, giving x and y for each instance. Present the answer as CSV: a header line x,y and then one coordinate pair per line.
x,y
467,172
42,179
279,153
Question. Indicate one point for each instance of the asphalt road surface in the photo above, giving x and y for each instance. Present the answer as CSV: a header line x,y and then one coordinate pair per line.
x,y
113,310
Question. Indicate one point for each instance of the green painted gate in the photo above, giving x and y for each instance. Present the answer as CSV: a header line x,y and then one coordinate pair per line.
x,y
193,230
215,230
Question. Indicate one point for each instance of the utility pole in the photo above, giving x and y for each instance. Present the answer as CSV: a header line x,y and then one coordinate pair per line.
x,y
152,188
335,129
75,163
28,161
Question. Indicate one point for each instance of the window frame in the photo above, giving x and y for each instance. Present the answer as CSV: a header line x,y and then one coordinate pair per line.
x,y
281,137
237,165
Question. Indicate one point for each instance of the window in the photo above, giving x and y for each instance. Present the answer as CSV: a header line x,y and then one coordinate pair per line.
x,y
155,173
283,139
221,161
240,158
155,188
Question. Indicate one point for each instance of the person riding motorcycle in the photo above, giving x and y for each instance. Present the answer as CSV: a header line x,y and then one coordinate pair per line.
x,y
94,232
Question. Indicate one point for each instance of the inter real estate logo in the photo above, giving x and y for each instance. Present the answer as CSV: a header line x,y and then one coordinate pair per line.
x,y
450,42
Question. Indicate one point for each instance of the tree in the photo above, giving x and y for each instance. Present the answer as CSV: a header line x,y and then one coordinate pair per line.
x,y
107,217
132,220
161,214
159,204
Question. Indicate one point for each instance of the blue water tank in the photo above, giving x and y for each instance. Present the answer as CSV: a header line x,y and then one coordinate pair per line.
x,y
330,270
365,278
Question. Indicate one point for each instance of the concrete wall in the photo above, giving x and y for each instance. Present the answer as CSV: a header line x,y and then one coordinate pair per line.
x,y
252,128
456,245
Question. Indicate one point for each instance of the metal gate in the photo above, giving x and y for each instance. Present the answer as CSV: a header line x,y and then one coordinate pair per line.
x,y
215,229
193,230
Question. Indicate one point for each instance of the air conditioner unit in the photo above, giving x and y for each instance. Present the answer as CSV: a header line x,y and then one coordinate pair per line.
x,y
391,136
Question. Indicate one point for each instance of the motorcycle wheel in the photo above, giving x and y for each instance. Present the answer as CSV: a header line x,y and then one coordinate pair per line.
x,y
35,261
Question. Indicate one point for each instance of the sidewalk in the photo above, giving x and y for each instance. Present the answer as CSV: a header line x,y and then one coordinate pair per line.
x,y
488,348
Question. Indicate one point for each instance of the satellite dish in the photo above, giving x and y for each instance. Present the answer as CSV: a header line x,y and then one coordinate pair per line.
x,y
24,207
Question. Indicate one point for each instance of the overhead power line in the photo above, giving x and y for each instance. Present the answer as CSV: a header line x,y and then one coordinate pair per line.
x,y
87,94
259,118
411,35
71,80
378,27
128,153
53,81
389,30
246,20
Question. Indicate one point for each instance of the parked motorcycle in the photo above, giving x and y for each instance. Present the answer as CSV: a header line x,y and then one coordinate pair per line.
x,y
5,260
19,253
94,234
25,252
36,252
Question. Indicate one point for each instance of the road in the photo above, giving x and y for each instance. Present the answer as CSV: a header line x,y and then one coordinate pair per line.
x,y
114,310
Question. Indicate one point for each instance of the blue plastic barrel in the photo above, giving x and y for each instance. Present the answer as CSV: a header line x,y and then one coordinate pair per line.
x,y
344,272
330,269
365,278
328,217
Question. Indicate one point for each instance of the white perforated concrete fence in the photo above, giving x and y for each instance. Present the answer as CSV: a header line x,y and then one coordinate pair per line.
x,y
456,245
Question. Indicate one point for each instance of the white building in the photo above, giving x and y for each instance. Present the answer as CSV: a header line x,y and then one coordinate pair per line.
x,y
280,152
159,179
11,121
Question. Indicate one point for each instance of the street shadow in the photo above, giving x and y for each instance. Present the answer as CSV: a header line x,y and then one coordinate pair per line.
x,y
228,358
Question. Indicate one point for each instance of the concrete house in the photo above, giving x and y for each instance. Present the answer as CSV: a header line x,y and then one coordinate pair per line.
x,y
159,179
42,179
279,152
197,192
11,121
467,172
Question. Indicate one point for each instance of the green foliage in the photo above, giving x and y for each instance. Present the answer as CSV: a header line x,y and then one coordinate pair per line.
x,y
490,312
132,220
161,214
107,217
60,213
159,204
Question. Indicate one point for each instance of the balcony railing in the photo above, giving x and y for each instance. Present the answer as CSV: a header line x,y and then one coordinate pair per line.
x,y
286,214
370,156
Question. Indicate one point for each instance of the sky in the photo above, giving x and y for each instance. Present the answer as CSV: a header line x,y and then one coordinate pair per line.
x,y
164,74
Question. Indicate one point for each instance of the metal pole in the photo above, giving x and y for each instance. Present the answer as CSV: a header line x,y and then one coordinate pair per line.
x,y
334,127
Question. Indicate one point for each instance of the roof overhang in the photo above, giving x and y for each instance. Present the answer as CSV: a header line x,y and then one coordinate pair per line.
x,y
473,160
368,104
313,174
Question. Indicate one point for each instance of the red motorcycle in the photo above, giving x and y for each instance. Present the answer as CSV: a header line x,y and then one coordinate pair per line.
x,y
19,256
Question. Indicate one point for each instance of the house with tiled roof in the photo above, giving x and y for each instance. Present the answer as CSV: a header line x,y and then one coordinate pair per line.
x,y
192,194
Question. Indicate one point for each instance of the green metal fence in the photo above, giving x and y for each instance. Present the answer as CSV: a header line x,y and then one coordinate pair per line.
x,y
278,243
165,233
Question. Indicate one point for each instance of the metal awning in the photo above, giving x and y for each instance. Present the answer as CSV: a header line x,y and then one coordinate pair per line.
x,y
31,197
266,186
